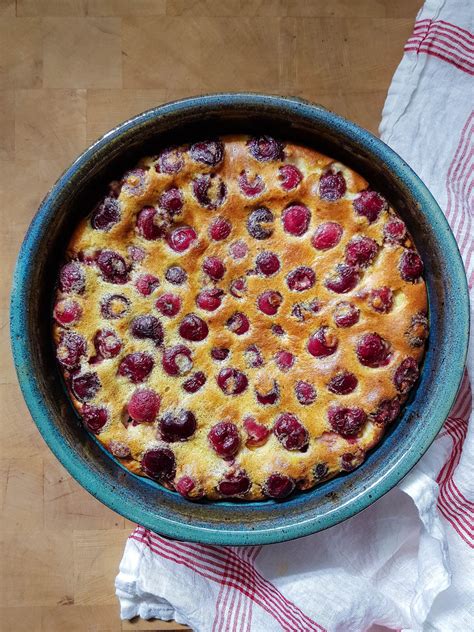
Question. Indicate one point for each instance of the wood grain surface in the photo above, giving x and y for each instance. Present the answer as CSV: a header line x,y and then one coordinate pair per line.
x,y
69,71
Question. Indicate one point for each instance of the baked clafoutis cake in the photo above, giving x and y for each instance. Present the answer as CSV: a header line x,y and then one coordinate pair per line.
x,y
240,317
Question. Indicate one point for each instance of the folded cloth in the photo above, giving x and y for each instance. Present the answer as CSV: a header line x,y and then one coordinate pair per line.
x,y
407,562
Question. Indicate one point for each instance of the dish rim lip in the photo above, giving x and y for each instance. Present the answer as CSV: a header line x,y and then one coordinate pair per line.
x,y
102,489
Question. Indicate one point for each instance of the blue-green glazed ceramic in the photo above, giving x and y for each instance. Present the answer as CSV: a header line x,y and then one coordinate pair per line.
x,y
235,523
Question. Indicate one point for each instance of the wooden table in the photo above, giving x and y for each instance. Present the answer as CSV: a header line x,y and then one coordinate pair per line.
x,y
70,70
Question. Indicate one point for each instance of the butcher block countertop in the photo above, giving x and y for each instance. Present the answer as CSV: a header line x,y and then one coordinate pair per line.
x,y
69,71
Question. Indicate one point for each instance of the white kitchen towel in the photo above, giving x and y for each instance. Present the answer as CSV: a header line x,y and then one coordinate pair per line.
x,y
407,562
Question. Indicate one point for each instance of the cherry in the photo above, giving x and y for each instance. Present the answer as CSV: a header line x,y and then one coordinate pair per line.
x,y
177,425
148,223
395,231
327,236
113,267
373,351
346,421
238,323
296,219
305,393
85,386
220,229
214,267
168,304
71,348
177,360
134,181
361,251
159,463
406,375
298,310
67,312
290,432
72,278
260,223
417,333
265,148
185,486
332,185
94,417
387,411
301,279
171,201
219,353
289,176
269,302
253,187
181,238
232,381
284,360
234,484
195,382
176,275
346,314
369,204
350,461
257,434
410,266
224,438
114,306
170,161
267,263
343,280
146,284
120,449
107,344
136,366
147,328
238,287
381,299
210,299
209,152
320,471
238,249
144,405
322,343
253,356
343,383
278,486
209,190
269,397
106,214
193,328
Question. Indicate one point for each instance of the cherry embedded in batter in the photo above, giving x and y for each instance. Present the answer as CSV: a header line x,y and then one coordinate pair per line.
x,y
170,161
106,214
185,485
296,220
72,278
238,323
369,204
94,417
238,287
284,360
343,383
195,382
322,343
219,353
386,412
181,238
251,186
267,263
344,279
268,397
136,366
305,393
168,304
361,251
406,375
146,284
214,267
411,266
320,471
232,381
220,228
381,299
210,299
278,486
234,484
176,275
301,279
346,314
395,231
136,253
177,360
144,405
265,148
290,177
159,463
171,201
193,328
269,302
260,223
113,267
373,351
332,185
177,426
107,344
114,306
418,331
238,249
67,312
208,152
209,190
225,439
134,181
120,449
346,421
257,433
148,223
327,236
290,432
85,386
147,328
253,356
71,348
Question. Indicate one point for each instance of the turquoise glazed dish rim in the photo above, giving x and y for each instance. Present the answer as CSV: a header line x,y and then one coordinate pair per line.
x,y
228,523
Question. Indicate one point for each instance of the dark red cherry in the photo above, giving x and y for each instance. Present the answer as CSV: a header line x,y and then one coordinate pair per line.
x,y
94,417
107,344
220,229
296,219
210,299
381,299
238,249
159,463
278,486
67,312
343,383
332,185
346,314
322,343
238,287
395,231
85,386
106,214
224,438
209,190
114,306
209,152
214,268
168,304
149,224
387,411
301,279
290,432
327,236
253,356
136,366
71,348
113,267
305,393
176,275
193,328
195,382
265,148
289,176
410,266
177,425
257,434
177,360
350,461
234,484
146,284
260,223
238,323
170,161
320,471
406,375
269,302
346,421
171,201
373,351
185,486
369,204
181,238
144,405
343,280
361,251
267,263
136,253
284,360
147,328
219,353
251,187
232,381
269,397
72,278
418,331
